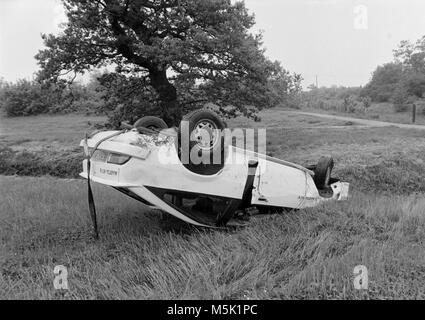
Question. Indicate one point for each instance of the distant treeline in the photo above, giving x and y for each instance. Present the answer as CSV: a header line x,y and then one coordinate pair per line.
x,y
123,97
120,97
392,82
400,82
397,83
342,99
29,97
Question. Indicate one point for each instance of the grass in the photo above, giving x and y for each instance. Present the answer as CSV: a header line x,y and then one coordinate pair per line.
x,y
49,145
308,254
26,163
44,145
382,112
35,133
305,254
278,118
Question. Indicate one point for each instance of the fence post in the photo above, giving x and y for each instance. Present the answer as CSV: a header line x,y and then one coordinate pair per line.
x,y
414,113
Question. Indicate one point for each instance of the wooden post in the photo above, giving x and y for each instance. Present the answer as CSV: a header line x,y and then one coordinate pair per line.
x,y
414,113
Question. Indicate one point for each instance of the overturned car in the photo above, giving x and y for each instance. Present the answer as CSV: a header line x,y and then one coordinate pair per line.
x,y
195,174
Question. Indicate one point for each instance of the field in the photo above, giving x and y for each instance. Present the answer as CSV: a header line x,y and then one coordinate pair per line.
x,y
44,144
383,111
308,254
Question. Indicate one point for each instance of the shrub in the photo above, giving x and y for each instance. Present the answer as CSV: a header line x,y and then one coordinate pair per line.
x,y
366,101
400,100
349,104
23,98
385,80
400,107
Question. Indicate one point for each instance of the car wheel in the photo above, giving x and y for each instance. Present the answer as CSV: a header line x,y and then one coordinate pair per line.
x,y
322,173
204,129
150,122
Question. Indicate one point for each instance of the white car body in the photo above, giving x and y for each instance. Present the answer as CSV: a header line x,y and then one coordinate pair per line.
x,y
155,172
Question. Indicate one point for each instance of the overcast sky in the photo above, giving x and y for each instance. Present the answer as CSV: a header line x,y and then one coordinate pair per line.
x,y
332,39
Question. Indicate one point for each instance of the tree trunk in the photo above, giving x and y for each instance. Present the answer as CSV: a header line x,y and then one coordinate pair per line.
x,y
170,108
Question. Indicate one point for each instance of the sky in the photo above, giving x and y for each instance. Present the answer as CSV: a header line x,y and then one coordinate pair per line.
x,y
339,41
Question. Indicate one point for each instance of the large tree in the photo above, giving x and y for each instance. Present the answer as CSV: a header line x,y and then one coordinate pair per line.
x,y
412,57
186,50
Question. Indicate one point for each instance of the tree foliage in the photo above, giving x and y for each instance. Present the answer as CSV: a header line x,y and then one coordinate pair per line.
x,y
402,80
412,55
385,79
126,98
28,97
185,51
22,98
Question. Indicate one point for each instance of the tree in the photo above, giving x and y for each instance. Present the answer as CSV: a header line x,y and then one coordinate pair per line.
x,y
126,98
411,55
384,81
414,83
400,99
3,85
187,51
284,87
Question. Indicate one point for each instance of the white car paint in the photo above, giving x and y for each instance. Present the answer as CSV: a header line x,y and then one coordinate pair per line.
x,y
155,163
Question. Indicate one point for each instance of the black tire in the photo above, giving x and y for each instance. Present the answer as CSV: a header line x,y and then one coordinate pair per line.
x,y
150,122
193,123
322,173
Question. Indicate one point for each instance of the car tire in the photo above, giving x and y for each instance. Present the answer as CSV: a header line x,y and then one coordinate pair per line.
x,y
195,123
150,122
322,172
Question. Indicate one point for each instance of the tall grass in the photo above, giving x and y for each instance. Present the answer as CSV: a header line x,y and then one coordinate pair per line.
x,y
311,253
305,254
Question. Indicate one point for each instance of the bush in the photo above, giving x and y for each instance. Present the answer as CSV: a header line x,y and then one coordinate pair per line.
x,y
366,101
340,99
400,100
349,104
23,98
400,107
385,80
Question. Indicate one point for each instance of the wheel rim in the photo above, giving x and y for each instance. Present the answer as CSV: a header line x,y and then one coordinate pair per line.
x,y
206,134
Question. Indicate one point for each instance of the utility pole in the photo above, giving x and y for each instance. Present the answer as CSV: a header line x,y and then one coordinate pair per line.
x,y
317,81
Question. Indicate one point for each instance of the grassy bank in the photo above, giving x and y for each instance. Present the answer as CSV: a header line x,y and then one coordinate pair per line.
x,y
379,160
311,253
44,145
305,254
